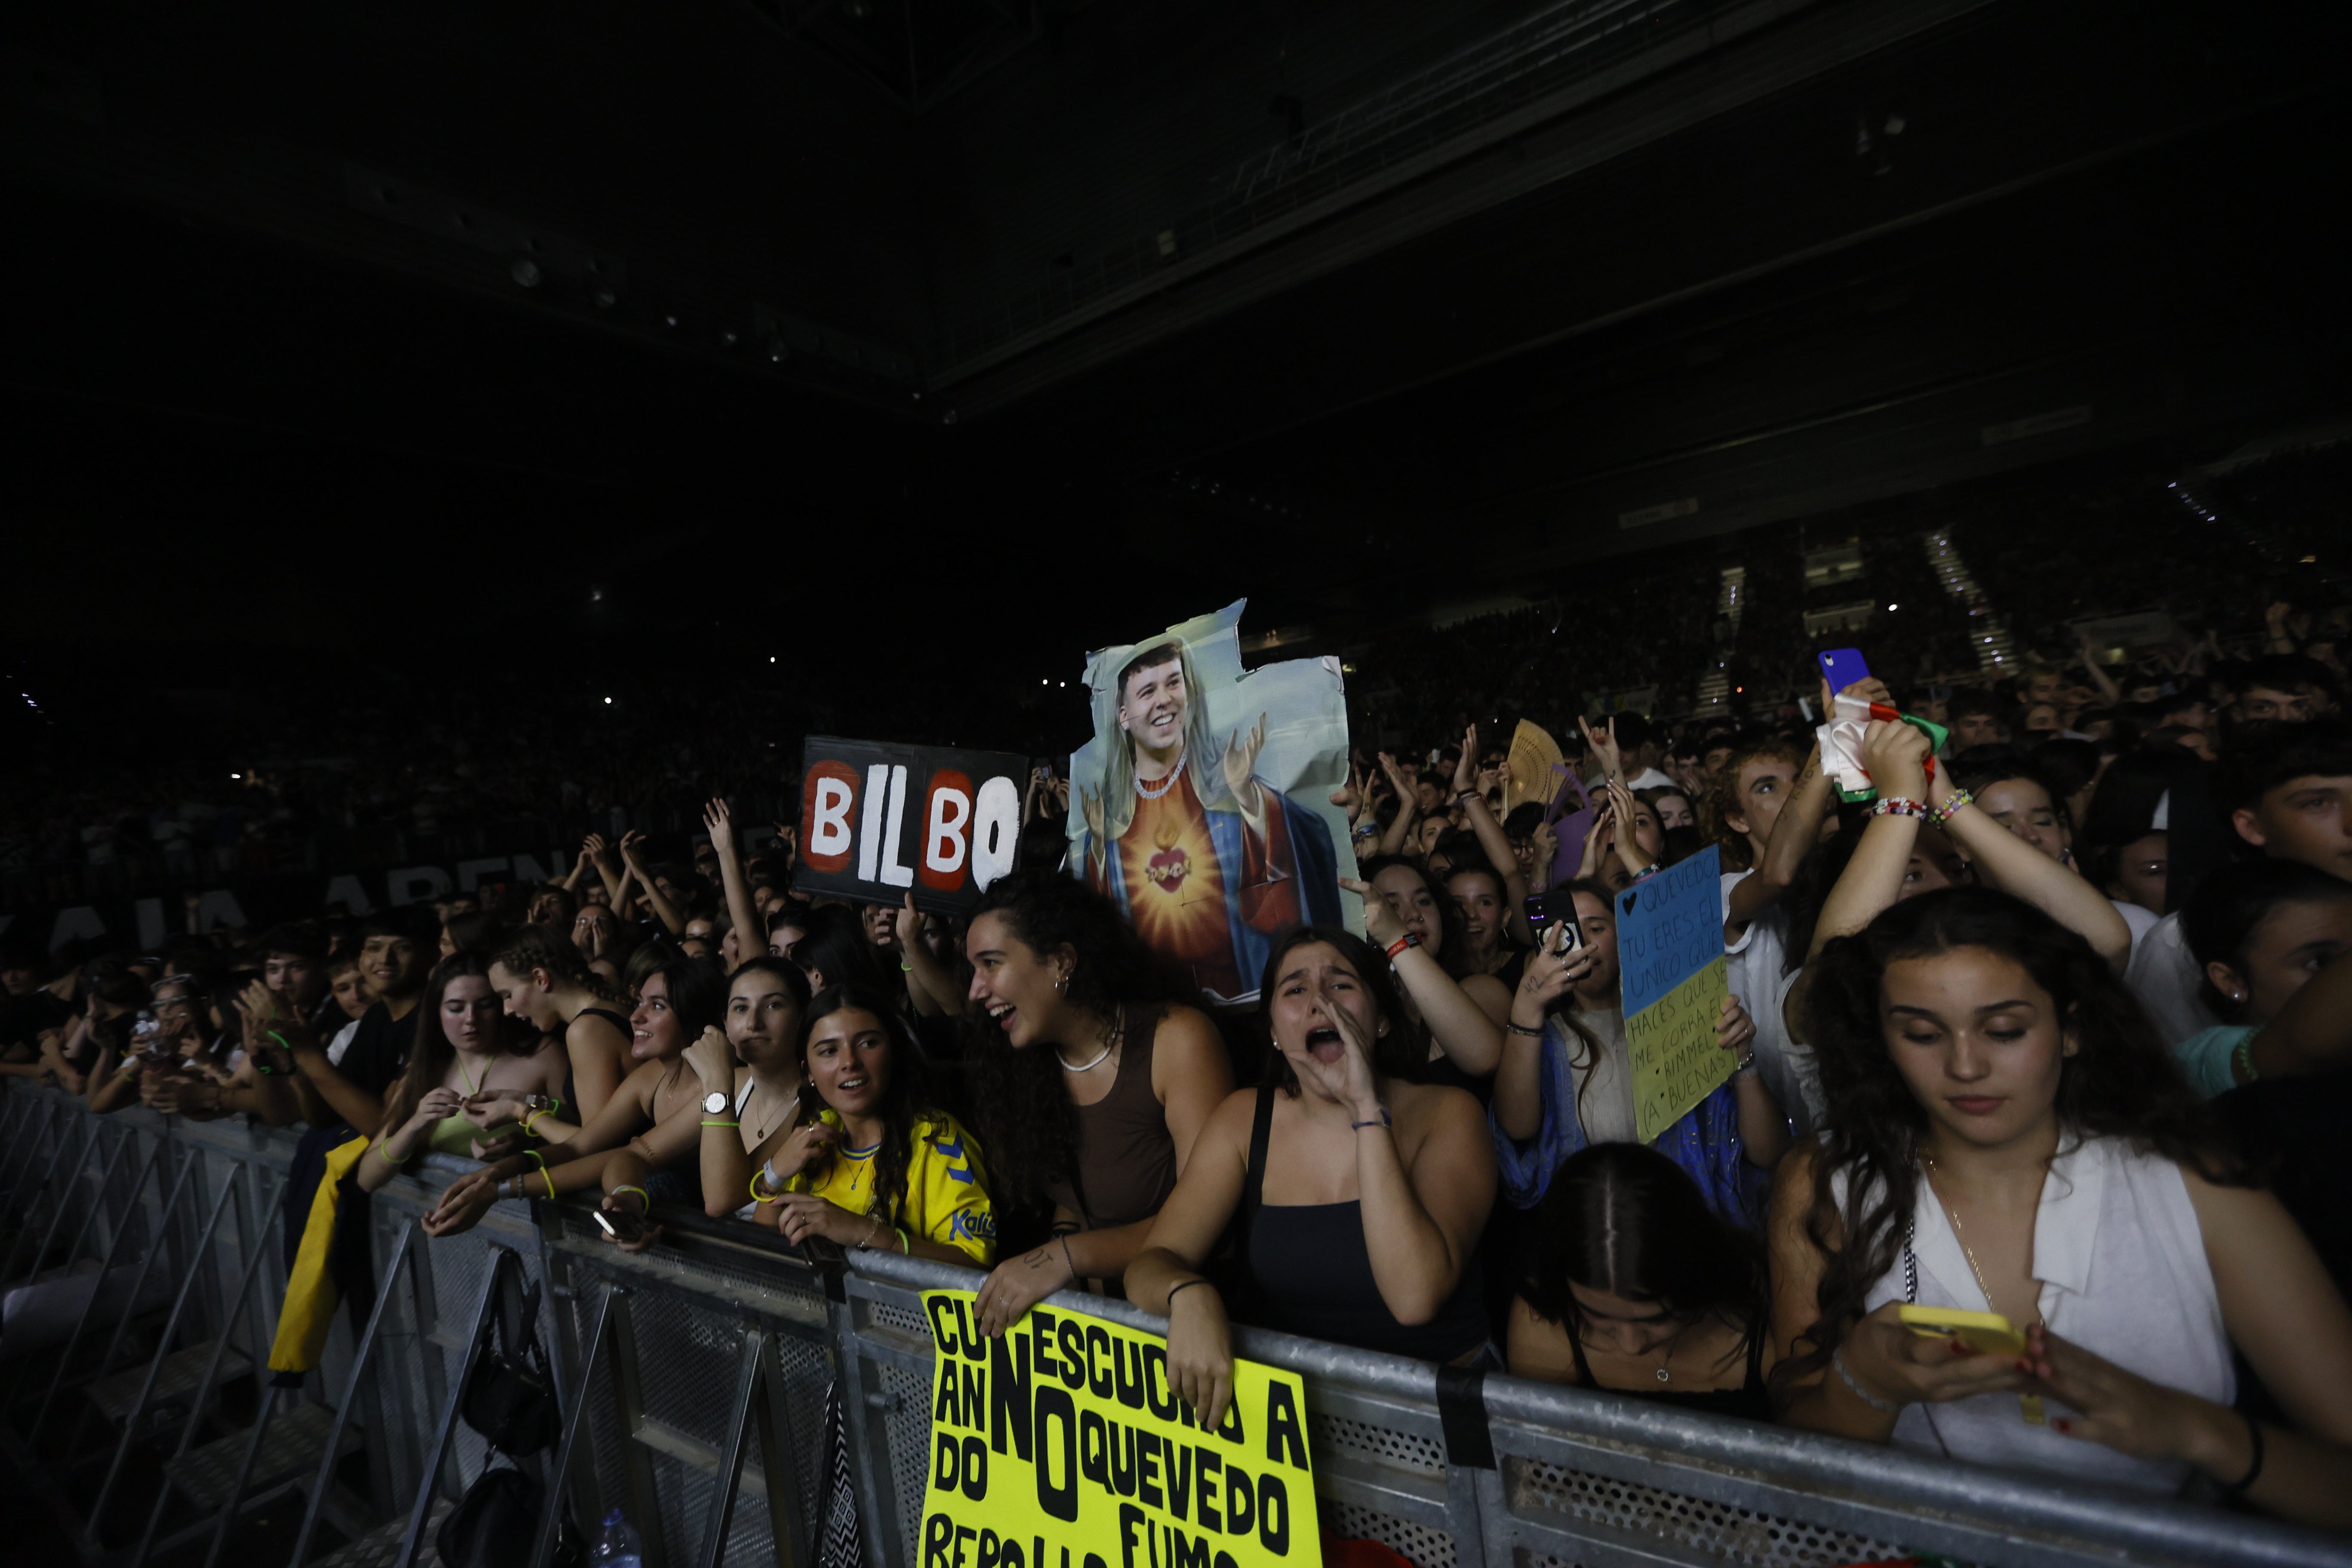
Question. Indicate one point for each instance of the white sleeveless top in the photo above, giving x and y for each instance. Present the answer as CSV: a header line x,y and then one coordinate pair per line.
x,y
2122,1264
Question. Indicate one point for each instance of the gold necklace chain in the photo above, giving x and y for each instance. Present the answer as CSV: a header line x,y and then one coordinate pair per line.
x,y
2029,1405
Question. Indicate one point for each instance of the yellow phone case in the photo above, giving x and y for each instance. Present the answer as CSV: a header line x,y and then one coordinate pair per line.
x,y
1987,1333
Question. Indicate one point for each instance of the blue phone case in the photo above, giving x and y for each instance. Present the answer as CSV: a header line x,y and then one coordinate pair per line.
x,y
1841,667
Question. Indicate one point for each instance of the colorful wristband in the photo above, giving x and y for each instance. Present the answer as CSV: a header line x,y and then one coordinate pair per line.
x,y
640,1192
1398,946
708,1123
1940,815
1898,805
549,1177
533,1116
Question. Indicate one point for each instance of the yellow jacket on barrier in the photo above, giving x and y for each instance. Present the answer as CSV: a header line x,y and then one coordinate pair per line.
x,y
310,1293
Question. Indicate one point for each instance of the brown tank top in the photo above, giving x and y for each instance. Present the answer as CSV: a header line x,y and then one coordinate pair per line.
x,y
1127,1161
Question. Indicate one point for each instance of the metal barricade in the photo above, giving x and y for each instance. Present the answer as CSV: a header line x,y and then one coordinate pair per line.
x,y
701,1384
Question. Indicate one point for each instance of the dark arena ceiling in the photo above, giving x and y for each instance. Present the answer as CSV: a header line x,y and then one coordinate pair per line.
x,y
890,309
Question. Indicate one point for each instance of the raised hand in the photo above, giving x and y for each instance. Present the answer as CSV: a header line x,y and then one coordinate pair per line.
x,y
1895,755
595,847
1550,975
1465,767
631,842
911,924
1241,759
719,825
1381,926
1399,779
1603,744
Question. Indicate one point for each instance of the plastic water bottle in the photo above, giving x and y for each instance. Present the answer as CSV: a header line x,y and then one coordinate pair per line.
x,y
617,1545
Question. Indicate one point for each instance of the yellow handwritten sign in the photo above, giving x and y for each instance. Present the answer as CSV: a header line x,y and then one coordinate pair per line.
x,y
1676,1061
1060,1445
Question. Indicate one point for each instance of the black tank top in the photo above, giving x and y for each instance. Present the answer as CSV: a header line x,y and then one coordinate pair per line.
x,y
1313,1273
570,1100
1750,1401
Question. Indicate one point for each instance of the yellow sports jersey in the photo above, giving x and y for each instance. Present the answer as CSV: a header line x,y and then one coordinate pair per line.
x,y
946,1189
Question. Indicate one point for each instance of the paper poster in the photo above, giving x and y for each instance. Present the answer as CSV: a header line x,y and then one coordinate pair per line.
x,y
1203,803
881,821
1059,1444
1670,958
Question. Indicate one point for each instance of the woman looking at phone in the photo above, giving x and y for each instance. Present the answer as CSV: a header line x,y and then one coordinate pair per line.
x,y
1635,1286
1360,1193
879,1167
1567,1077
465,1046
2007,1134
1090,1077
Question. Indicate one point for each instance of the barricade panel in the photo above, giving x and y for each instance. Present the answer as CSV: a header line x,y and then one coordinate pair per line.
x,y
1587,1478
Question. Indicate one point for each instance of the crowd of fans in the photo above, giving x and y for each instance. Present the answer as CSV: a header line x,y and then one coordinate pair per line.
x,y
2055,1029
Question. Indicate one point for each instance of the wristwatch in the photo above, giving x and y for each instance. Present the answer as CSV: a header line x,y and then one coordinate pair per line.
x,y
715,1102
534,1102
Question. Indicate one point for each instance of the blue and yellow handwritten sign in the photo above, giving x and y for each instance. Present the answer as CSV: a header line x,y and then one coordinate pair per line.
x,y
1670,953
1061,1445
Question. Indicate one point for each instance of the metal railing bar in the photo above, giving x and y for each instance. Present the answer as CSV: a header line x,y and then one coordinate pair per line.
x,y
88,1141
360,1355
207,1391
105,1269
574,1413
749,1373
502,1260
138,1410
158,1243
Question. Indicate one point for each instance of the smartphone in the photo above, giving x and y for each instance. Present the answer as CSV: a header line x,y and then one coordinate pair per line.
x,y
1987,1333
1555,907
620,1225
1841,667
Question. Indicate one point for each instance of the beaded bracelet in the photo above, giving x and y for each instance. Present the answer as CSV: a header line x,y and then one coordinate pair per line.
x,y
2243,1059
640,1192
1940,815
1898,805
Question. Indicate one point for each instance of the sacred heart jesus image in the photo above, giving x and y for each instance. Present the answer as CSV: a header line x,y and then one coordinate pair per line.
x,y
1208,861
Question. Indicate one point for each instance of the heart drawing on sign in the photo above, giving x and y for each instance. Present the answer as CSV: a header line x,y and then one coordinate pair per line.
x,y
1629,901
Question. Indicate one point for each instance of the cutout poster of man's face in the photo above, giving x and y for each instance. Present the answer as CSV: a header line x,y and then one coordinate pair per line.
x,y
1202,805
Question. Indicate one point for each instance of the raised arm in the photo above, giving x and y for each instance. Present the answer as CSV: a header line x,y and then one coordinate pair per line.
x,y
1794,833
1462,1028
1468,786
664,910
1408,807
2010,864
1895,756
739,908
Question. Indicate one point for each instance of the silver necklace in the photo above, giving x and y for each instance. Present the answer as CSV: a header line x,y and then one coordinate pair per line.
x,y
1173,775
1109,1045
